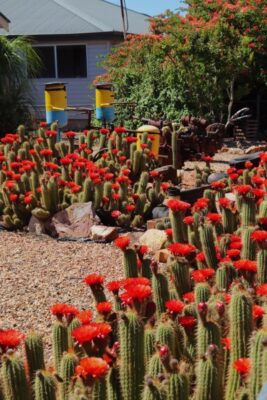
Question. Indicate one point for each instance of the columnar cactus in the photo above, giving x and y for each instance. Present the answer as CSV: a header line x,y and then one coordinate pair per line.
x,y
131,334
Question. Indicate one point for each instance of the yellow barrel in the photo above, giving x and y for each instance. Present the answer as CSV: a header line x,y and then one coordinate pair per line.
x,y
56,103
153,131
104,98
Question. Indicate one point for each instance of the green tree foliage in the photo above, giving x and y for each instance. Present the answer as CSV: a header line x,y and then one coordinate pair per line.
x,y
200,61
18,63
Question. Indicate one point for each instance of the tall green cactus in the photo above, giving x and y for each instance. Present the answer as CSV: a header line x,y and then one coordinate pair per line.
x,y
208,385
131,335
59,342
14,380
44,386
34,350
240,331
257,351
67,372
208,247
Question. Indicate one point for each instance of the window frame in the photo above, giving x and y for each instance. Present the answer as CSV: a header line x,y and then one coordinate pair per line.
x,y
54,46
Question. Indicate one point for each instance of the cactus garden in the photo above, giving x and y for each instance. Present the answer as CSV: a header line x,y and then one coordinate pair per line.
x,y
191,328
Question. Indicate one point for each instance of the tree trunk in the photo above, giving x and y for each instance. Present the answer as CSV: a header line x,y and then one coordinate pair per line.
x,y
231,100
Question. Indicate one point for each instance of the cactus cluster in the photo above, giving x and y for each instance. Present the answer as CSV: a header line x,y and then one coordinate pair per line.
x,y
40,176
194,329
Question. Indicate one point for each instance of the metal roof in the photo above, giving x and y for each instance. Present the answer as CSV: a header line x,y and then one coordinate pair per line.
x,y
62,17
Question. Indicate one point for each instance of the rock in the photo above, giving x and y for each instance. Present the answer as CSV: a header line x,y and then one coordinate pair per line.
x,y
107,233
168,173
154,239
75,221
36,226
254,149
162,256
217,176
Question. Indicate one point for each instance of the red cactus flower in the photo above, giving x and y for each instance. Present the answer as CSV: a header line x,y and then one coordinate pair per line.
x,y
224,202
60,310
104,308
13,197
27,199
104,131
257,180
262,290
119,129
144,146
43,124
178,205
116,196
50,133
115,214
165,186
188,220
143,249
201,275
257,311
243,365
140,280
10,339
122,242
226,342
248,165
189,296
201,257
236,245
169,232
246,265
233,177
174,306
154,174
136,292
70,134
122,159
234,254
65,161
95,330
46,152
218,185
85,316
126,171
10,184
188,321
182,250
131,139
114,286
130,208
201,203
108,176
92,368
243,189
94,279
259,236
206,158
214,217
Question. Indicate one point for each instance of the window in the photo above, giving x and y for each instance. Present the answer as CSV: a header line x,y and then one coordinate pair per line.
x,y
47,57
71,61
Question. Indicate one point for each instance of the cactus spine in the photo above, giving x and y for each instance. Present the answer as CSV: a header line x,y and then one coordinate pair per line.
x,y
44,386
14,379
34,350
59,343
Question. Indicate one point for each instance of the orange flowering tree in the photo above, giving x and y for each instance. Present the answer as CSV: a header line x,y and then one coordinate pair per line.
x,y
199,61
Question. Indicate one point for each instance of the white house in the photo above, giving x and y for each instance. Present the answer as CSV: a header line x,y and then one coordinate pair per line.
x,y
71,36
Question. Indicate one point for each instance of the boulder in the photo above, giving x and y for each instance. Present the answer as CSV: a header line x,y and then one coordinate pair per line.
x,y
75,221
154,239
36,226
256,148
107,233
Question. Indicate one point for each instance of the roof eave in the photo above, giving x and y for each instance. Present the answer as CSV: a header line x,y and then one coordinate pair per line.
x,y
4,22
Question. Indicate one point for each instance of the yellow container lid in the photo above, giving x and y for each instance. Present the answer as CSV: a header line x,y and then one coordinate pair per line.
x,y
148,129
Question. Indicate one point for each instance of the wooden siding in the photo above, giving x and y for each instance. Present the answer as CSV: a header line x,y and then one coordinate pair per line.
x,y
78,91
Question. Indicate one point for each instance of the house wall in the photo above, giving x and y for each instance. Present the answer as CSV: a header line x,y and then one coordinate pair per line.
x,y
78,91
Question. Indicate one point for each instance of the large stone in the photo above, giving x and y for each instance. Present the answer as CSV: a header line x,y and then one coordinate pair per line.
x,y
36,226
256,148
107,233
154,239
75,221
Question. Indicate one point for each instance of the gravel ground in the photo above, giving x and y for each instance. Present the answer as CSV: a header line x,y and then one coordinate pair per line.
x,y
36,272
